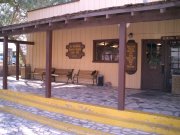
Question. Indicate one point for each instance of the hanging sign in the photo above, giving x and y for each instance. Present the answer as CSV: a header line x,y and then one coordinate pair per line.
x,y
170,37
75,50
131,57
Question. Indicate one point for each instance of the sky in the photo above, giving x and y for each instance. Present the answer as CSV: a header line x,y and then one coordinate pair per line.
x,y
10,45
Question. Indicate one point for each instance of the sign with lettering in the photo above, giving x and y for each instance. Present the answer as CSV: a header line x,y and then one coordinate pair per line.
x,y
170,37
75,50
131,57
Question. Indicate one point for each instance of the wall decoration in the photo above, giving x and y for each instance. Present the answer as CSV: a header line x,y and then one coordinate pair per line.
x,y
75,50
131,57
170,37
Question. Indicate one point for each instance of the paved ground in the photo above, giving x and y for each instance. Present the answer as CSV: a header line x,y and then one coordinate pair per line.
x,y
147,101
12,125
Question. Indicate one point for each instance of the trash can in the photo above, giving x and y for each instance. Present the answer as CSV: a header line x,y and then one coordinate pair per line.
x,y
25,72
100,80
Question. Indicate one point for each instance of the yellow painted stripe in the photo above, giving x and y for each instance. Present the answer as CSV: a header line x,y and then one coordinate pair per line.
x,y
168,121
52,123
127,124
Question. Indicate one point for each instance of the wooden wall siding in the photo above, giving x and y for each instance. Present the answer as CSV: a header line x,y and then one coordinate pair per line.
x,y
78,6
148,30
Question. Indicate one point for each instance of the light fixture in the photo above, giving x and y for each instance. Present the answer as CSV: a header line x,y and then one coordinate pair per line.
x,y
130,35
159,44
115,46
103,43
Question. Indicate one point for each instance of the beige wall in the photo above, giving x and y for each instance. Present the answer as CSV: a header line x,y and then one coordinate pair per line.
x,y
148,30
78,6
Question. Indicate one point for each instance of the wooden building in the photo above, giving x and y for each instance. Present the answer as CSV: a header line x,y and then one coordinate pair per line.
x,y
153,30
146,31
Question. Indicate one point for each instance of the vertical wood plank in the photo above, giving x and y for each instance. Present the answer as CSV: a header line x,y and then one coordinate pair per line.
x,y
17,61
122,52
5,62
48,63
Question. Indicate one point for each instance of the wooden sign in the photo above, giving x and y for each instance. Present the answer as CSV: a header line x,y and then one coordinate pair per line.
x,y
75,50
170,37
131,57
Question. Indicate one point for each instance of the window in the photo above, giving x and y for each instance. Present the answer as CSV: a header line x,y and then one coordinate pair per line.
x,y
106,50
153,53
175,55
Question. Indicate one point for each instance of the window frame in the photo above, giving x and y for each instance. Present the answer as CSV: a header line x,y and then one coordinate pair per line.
x,y
95,46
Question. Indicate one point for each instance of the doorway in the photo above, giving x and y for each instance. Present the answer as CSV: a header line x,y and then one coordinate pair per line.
x,y
160,59
153,64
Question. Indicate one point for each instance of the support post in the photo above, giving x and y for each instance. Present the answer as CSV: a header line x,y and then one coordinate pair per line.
x,y
121,74
5,62
48,63
17,61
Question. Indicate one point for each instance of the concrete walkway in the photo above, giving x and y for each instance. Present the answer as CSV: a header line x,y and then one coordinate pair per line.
x,y
147,101
13,125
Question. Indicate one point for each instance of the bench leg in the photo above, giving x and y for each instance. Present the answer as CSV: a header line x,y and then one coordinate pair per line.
x,y
75,79
67,80
42,77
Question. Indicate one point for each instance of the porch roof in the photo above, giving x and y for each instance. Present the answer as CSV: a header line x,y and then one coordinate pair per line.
x,y
155,11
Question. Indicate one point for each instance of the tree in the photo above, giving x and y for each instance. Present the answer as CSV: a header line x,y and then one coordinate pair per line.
x,y
15,11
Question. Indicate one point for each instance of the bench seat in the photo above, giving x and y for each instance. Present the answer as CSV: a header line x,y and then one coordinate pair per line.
x,y
63,73
86,74
38,73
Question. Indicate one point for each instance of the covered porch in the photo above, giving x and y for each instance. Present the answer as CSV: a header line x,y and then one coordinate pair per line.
x,y
140,100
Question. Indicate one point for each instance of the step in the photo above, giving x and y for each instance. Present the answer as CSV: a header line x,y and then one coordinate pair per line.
x,y
68,119
70,128
129,119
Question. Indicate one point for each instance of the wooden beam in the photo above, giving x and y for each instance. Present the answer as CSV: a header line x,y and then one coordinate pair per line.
x,y
162,10
48,62
116,10
17,60
18,41
132,13
115,19
5,62
66,21
121,74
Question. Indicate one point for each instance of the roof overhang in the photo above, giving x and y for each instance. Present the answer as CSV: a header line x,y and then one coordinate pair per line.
x,y
155,11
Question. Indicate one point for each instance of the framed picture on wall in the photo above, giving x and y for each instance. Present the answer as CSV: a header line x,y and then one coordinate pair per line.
x,y
75,50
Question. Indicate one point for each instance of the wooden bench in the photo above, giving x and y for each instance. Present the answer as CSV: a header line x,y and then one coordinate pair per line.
x,y
86,74
44,75
38,73
63,73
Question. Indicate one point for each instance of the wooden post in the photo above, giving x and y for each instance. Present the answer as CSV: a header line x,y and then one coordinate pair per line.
x,y
5,62
121,74
17,61
48,63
